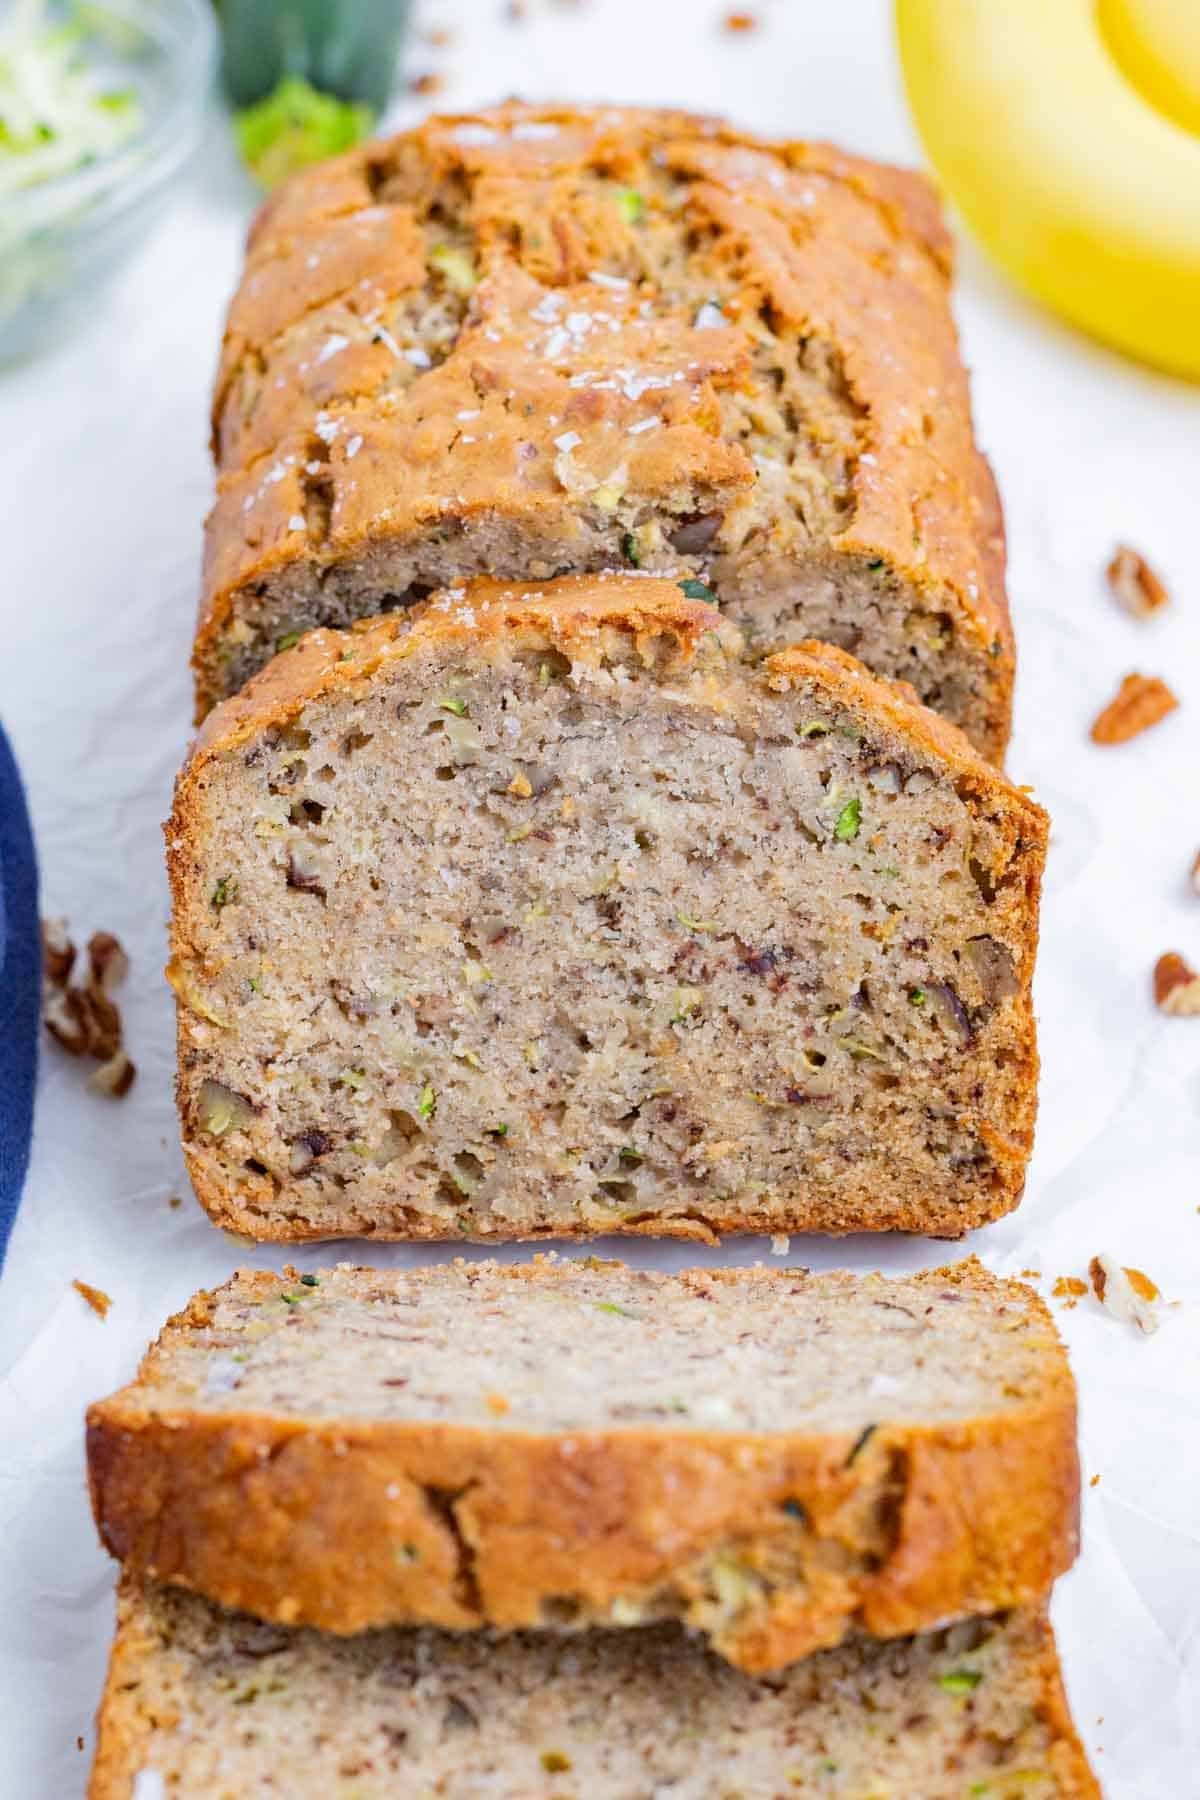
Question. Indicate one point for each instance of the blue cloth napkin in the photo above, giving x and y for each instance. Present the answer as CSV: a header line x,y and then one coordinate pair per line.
x,y
20,988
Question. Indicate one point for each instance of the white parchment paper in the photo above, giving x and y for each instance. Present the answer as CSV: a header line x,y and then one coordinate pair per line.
x,y
104,481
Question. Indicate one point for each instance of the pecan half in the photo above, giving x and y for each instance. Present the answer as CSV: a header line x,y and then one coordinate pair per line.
x,y
1134,583
1176,986
1139,702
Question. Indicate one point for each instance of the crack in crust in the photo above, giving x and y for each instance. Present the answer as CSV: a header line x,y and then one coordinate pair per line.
x,y
679,306
771,1540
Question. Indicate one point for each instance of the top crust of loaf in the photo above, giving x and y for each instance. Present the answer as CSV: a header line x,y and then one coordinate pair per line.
x,y
557,333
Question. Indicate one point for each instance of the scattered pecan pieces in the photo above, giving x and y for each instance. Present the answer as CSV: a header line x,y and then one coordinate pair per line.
x,y
740,21
83,1018
1140,702
96,1297
1135,584
1176,986
1069,1289
429,83
1126,1293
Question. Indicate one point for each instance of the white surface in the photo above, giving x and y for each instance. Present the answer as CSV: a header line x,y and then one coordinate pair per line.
x,y
105,481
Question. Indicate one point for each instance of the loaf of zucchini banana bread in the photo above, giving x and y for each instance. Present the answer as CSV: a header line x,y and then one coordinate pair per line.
x,y
544,914
541,340
774,1458
208,1705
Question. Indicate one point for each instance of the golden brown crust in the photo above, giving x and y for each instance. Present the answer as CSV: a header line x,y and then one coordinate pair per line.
x,y
821,244
574,614
300,1521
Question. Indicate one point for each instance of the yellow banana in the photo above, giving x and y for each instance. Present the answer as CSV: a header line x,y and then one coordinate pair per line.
x,y
1078,171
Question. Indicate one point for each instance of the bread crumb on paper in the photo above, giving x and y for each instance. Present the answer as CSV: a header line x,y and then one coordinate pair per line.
x,y
96,1297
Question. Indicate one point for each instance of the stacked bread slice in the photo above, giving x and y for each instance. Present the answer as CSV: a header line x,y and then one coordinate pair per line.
x,y
596,827
591,1531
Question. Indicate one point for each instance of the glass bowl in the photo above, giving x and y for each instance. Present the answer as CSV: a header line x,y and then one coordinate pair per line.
x,y
60,237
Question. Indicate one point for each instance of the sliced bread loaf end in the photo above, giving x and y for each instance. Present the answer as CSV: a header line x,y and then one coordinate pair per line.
x,y
545,915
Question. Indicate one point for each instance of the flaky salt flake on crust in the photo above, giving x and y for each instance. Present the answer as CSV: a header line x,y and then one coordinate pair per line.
x,y
1140,702
1135,584
1176,986
1127,1293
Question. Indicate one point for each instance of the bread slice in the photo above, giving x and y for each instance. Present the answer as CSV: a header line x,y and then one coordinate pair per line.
x,y
546,916
773,1457
542,340
208,1705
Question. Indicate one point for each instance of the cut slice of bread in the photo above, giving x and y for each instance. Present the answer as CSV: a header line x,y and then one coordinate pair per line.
x,y
544,915
208,1705
554,340
773,1457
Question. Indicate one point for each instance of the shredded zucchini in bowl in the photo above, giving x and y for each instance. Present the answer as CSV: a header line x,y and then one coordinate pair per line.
x,y
60,111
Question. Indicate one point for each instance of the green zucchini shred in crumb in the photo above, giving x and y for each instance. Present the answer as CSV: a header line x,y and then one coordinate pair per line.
x,y
500,1131
630,551
876,564
848,821
352,1078
543,675
452,704
427,1104
288,641
960,1681
456,269
697,590
630,1155
295,125
310,1281
630,205
610,1306
813,729
291,1299
225,891
916,996
691,924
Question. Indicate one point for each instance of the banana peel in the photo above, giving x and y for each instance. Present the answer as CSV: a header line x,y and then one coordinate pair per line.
x,y
1068,134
